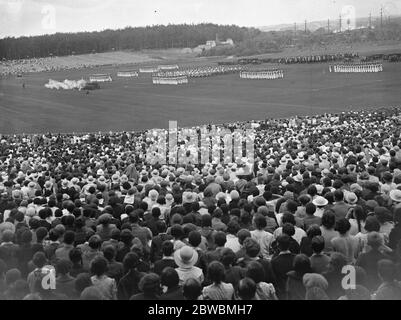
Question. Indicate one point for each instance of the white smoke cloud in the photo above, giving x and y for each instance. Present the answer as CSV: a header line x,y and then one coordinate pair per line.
x,y
66,84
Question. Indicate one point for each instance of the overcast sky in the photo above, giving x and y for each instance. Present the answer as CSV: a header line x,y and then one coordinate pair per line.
x,y
32,17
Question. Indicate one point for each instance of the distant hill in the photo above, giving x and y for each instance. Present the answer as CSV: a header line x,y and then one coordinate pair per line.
x,y
334,24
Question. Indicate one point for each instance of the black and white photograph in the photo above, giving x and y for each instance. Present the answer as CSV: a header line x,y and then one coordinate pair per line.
x,y
204,154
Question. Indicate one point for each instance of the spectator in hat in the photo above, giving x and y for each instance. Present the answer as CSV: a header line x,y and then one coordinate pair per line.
x,y
186,258
321,204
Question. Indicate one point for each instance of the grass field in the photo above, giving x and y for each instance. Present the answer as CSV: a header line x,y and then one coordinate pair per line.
x,y
136,104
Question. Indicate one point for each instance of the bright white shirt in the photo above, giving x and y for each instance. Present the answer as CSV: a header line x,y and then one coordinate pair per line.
x,y
264,239
232,243
299,234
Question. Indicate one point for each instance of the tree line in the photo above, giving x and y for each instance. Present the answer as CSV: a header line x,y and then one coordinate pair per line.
x,y
138,38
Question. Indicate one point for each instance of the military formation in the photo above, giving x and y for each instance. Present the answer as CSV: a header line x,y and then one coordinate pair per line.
x,y
356,68
318,58
201,72
262,74
170,80
127,74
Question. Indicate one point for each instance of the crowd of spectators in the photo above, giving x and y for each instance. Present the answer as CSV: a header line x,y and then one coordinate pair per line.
x,y
29,65
323,195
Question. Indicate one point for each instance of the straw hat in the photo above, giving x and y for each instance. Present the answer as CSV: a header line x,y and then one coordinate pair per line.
x,y
320,201
185,257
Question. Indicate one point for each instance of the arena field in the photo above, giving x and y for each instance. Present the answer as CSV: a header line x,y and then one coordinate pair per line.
x,y
137,104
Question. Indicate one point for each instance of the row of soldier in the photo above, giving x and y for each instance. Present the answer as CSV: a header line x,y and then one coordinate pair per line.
x,y
269,74
170,80
317,58
204,71
356,68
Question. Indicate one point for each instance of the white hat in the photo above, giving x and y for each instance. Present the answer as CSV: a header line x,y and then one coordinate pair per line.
x,y
185,257
320,201
395,195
